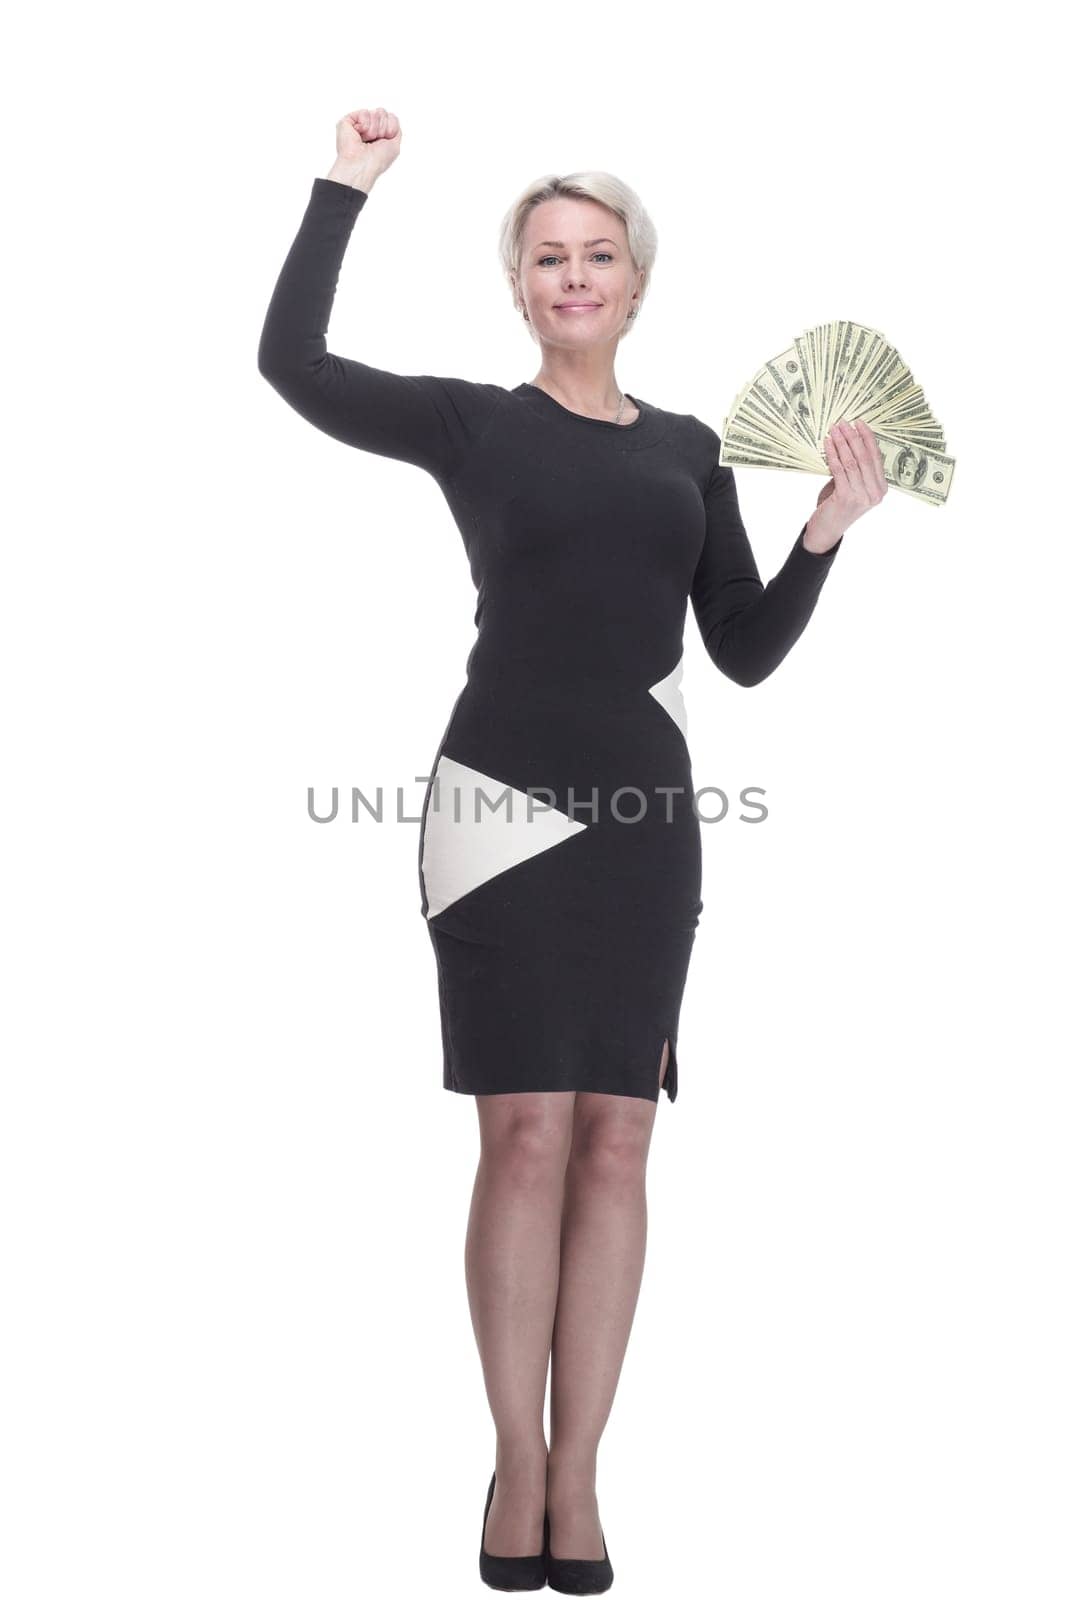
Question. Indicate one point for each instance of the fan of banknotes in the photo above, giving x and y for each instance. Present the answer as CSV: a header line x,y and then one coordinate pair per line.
x,y
839,370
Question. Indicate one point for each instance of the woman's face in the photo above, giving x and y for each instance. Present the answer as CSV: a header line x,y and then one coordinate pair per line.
x,y
576,251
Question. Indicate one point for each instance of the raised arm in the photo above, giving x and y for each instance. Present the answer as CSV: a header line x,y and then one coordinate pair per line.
x,y
428,421
748,628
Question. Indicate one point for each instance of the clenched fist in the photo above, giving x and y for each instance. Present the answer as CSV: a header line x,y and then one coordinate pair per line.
x,y
368,142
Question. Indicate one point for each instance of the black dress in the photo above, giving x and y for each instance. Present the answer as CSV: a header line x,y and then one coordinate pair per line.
x,y
559,850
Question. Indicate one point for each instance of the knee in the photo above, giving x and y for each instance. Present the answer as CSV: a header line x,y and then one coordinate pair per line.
x,y
611,1152
529,1147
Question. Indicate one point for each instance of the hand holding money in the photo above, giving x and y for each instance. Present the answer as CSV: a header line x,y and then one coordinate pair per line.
x,y
891,438
859,482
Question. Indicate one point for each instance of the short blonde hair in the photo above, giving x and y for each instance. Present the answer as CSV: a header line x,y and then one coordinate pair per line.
x,y
606,190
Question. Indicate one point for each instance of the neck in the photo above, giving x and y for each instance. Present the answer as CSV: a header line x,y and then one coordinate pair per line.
x,y
601,396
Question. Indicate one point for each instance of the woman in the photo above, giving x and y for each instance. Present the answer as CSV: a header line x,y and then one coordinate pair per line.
x,y
559,851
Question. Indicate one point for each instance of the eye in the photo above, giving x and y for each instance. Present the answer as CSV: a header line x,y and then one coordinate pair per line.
x,y
605,253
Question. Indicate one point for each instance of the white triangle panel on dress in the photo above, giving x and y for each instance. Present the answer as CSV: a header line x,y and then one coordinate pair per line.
x,y
668,691
468,840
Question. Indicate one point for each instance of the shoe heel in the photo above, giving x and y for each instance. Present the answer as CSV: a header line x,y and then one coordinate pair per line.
x,y
510,1572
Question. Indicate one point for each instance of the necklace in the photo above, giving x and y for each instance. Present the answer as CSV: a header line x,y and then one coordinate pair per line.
x,y
618,414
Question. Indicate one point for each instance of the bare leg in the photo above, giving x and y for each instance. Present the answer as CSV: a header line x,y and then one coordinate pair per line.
x,y
512,1265
604,1232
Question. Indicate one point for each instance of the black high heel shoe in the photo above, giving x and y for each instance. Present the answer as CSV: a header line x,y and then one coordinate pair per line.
x,y
570,1576
511,1572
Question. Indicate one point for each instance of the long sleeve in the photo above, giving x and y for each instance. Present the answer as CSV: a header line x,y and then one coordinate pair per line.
x,y
428,421
748,628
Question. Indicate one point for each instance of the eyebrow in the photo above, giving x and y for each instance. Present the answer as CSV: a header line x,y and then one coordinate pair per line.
x,y
559,245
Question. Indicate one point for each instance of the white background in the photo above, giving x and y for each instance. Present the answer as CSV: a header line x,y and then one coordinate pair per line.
x,y
238,1355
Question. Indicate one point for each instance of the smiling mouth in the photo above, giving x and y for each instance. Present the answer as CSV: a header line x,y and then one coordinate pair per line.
x,y
581,305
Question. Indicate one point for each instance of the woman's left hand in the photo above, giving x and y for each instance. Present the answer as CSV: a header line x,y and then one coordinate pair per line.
x,y
858,483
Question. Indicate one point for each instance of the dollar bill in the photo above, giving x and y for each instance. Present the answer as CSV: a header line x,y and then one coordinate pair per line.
x,y
839,370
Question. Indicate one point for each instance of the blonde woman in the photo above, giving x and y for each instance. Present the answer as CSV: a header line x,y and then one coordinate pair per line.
x,y
559,850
